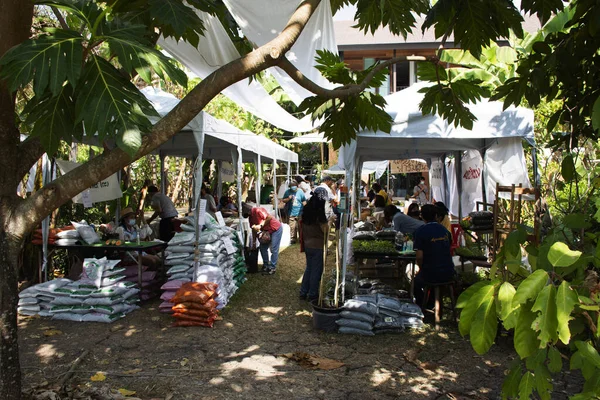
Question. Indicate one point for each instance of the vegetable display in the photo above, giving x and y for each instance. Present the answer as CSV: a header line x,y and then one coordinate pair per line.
x,y
373,246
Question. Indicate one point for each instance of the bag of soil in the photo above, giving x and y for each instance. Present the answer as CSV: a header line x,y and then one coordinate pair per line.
x,y
353,331
353,323
358,316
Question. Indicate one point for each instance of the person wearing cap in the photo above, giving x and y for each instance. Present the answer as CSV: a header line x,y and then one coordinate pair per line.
x,y
295,201
442,215
128,231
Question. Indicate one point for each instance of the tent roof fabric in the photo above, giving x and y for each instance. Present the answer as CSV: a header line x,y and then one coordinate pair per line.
x,y
415,135
220,137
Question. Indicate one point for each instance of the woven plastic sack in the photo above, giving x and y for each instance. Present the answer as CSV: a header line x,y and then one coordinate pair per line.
x,y
182,238
353,331
192,296
67,316
87,233
208,306
28,301
186,323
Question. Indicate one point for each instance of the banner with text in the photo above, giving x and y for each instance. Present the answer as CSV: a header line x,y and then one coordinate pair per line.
x,y
105,190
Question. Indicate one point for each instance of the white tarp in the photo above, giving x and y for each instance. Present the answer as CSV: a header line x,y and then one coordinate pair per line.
x,y
370,167
105,190
262,20
436,180
215,50
505,164
317,137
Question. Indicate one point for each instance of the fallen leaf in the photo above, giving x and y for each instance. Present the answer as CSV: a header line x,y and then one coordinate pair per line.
x,y
184,362
155,318
126,392
411,355
99,377
326,364
169,396
132,371
52,332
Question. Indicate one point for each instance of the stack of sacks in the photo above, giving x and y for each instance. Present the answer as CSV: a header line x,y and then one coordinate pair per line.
x,y
357,318
36,299
239,266
101,294
195,304
180,255
392,315
169,288
62,237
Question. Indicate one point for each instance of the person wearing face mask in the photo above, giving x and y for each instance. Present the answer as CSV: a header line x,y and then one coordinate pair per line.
x,y
128,231
294,200
421,192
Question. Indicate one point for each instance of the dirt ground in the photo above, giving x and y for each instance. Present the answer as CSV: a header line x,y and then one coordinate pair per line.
x,y
241,357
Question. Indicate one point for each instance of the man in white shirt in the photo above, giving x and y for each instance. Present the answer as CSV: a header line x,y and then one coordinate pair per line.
x,y
304,186
163,207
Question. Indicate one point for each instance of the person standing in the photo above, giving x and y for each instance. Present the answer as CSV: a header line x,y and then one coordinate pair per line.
x,y
295,201
265,225
421,192
211,205
304,186
163,207
314,229
401,222
442,216
432,245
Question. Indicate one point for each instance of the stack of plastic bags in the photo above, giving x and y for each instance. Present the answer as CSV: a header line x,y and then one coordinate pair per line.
x,y
194,304
219,256
62,237
101,295
377,314
150,282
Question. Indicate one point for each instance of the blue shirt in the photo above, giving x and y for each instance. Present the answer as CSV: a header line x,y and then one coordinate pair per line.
x,y
295,205
434,240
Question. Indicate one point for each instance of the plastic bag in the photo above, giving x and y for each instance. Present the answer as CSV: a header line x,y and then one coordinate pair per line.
x,y
172,285
353,331
99,317
411,310
67,316
70,234
193,296
184,323
178,269
353,323
27,301
93,269
357,316
86,232
412,322
208,306
66,242
360,306
193,312
182,238
383,322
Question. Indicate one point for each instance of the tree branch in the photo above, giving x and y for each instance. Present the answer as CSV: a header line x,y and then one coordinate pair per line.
x,y
343,91
60,18
31,211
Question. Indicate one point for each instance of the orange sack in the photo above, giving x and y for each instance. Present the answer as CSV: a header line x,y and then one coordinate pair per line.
x,y
200,286
191,312
192,296
182,322
208,306
193,318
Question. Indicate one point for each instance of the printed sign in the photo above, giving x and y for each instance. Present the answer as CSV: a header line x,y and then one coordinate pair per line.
x,y
220,219
229,245
227,172
201,213
105,190
408,166
87,200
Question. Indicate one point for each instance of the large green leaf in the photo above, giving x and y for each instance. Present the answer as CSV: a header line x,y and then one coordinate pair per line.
x,y
566,298
465,296
111,105
468,313
530,287
526,341
526,386
554,360
485,324
510,386
134,53
175,19
543,8
567,168
546,322
578,361
449,101
52,118
596,114
505,297
589,353
560,255
592,385
543,385
576,221
397,16
47,61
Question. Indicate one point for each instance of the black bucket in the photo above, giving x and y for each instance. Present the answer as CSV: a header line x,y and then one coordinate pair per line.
x,y
324,318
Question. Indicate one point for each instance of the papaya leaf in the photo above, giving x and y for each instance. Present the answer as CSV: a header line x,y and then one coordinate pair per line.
x,y
485,324
546,322
530,287
560,255
526,341
526,386
566,298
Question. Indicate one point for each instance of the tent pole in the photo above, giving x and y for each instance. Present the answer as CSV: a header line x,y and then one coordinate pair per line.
x,y
445,179
258,179
219,180
162,173
459,185
289,171
483,178
534,159
275,197
388,178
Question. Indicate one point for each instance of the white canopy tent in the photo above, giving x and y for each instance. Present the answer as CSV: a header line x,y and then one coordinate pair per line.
x,y
431,137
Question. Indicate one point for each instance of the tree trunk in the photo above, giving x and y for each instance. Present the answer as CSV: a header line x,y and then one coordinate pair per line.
x,y
177,188
10,371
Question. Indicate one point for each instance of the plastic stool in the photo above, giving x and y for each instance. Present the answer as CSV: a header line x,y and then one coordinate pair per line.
x,y
437,291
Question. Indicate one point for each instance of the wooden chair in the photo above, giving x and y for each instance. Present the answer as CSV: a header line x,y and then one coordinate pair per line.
x,y
438,289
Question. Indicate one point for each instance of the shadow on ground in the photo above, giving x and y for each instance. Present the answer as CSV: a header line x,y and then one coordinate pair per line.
x,y
241,356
